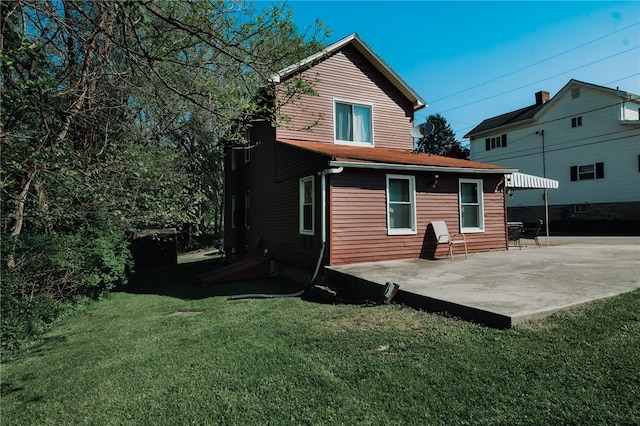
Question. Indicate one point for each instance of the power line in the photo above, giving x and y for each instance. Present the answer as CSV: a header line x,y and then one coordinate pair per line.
x,y
535,63
462,129
541,80
537,150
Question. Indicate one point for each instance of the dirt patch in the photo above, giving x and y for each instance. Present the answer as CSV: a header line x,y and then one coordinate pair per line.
x,y
197,255
185,314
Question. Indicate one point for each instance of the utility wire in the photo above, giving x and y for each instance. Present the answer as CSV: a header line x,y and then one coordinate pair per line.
x,y
537,150
535,63
539,81
463,129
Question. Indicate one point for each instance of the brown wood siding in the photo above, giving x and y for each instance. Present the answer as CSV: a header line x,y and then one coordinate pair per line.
x,y
347,75
358,228
272,177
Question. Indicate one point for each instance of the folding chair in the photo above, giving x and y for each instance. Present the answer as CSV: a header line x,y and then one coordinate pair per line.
x,y
443,237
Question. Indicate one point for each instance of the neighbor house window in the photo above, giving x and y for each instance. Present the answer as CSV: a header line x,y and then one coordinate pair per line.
x,y
575,93
353,123
496,142
401,205
587,172
471,205
581,208
576,122
307,205
233,211
247,209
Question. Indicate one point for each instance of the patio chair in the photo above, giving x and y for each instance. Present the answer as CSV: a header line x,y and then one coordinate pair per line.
x,y
444,237
514,233
532,233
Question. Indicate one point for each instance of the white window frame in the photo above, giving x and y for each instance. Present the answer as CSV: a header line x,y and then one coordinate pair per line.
x,y
480,196
303,204
335,122
412,230
587,172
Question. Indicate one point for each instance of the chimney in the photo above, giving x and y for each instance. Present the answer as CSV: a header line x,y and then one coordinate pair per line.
x,y
542,97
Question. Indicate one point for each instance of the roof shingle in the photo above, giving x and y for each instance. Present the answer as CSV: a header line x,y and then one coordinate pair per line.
x,y
386,156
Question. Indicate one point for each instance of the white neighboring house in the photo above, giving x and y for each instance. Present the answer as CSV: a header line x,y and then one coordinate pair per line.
x,y
587,137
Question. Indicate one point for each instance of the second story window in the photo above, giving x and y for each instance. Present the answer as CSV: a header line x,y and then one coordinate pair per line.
x,y
496,142
353,123
587,172
576,121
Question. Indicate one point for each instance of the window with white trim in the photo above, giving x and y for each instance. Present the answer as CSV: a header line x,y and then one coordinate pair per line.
x,y
471,205
587,172
307,205
401,205
353,123
496,142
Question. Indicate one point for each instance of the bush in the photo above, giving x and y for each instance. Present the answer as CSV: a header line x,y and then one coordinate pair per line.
x,y
51,271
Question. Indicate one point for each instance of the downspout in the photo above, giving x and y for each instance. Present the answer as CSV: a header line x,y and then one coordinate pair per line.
x,y
323,215
323,237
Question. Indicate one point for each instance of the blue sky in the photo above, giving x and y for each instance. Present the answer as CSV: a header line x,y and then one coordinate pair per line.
x,y
474,60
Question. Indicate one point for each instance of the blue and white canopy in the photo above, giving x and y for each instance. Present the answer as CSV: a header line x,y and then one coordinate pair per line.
x,y
518,181
524,181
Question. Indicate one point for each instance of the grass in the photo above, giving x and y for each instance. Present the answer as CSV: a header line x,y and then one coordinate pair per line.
x,y
130,360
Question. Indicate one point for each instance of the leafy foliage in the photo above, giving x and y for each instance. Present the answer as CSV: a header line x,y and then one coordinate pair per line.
x,y
113,113
442,140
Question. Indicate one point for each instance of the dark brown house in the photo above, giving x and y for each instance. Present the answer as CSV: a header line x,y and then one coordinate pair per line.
x,y
341,181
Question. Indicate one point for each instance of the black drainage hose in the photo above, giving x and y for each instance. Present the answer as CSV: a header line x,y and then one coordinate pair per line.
x,y
275,296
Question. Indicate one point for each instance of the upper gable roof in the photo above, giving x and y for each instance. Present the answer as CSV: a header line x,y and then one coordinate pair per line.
x,y
355,40
393,159
534,111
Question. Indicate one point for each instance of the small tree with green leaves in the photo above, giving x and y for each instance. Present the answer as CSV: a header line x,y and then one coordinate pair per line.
x,y
442,141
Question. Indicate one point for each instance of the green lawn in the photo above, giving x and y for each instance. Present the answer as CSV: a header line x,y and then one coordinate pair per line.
x,y
128,360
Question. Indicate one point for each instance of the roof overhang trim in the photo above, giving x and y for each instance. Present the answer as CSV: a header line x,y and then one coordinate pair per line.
x,y
364,48
418,168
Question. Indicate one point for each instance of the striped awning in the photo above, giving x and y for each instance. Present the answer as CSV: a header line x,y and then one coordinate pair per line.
x,y
524,181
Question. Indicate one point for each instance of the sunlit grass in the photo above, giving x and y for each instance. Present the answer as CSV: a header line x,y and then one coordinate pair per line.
x,y
129,360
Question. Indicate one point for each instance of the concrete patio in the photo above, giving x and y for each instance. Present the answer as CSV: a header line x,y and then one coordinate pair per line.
x,y
503,289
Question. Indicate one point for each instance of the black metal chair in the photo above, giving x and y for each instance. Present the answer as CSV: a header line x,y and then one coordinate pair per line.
x,y
514,233
532,233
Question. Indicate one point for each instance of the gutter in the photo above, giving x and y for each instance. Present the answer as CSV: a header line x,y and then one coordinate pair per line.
x,y
417,168
323,183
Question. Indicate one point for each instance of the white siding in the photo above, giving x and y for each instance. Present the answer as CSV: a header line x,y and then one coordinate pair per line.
x,y
602,137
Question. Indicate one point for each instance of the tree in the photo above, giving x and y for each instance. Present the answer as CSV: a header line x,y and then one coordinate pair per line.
x,y
442,140
112,117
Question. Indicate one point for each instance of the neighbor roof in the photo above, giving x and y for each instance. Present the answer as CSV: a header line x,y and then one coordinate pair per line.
x,y
395,159
355,40
533,111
